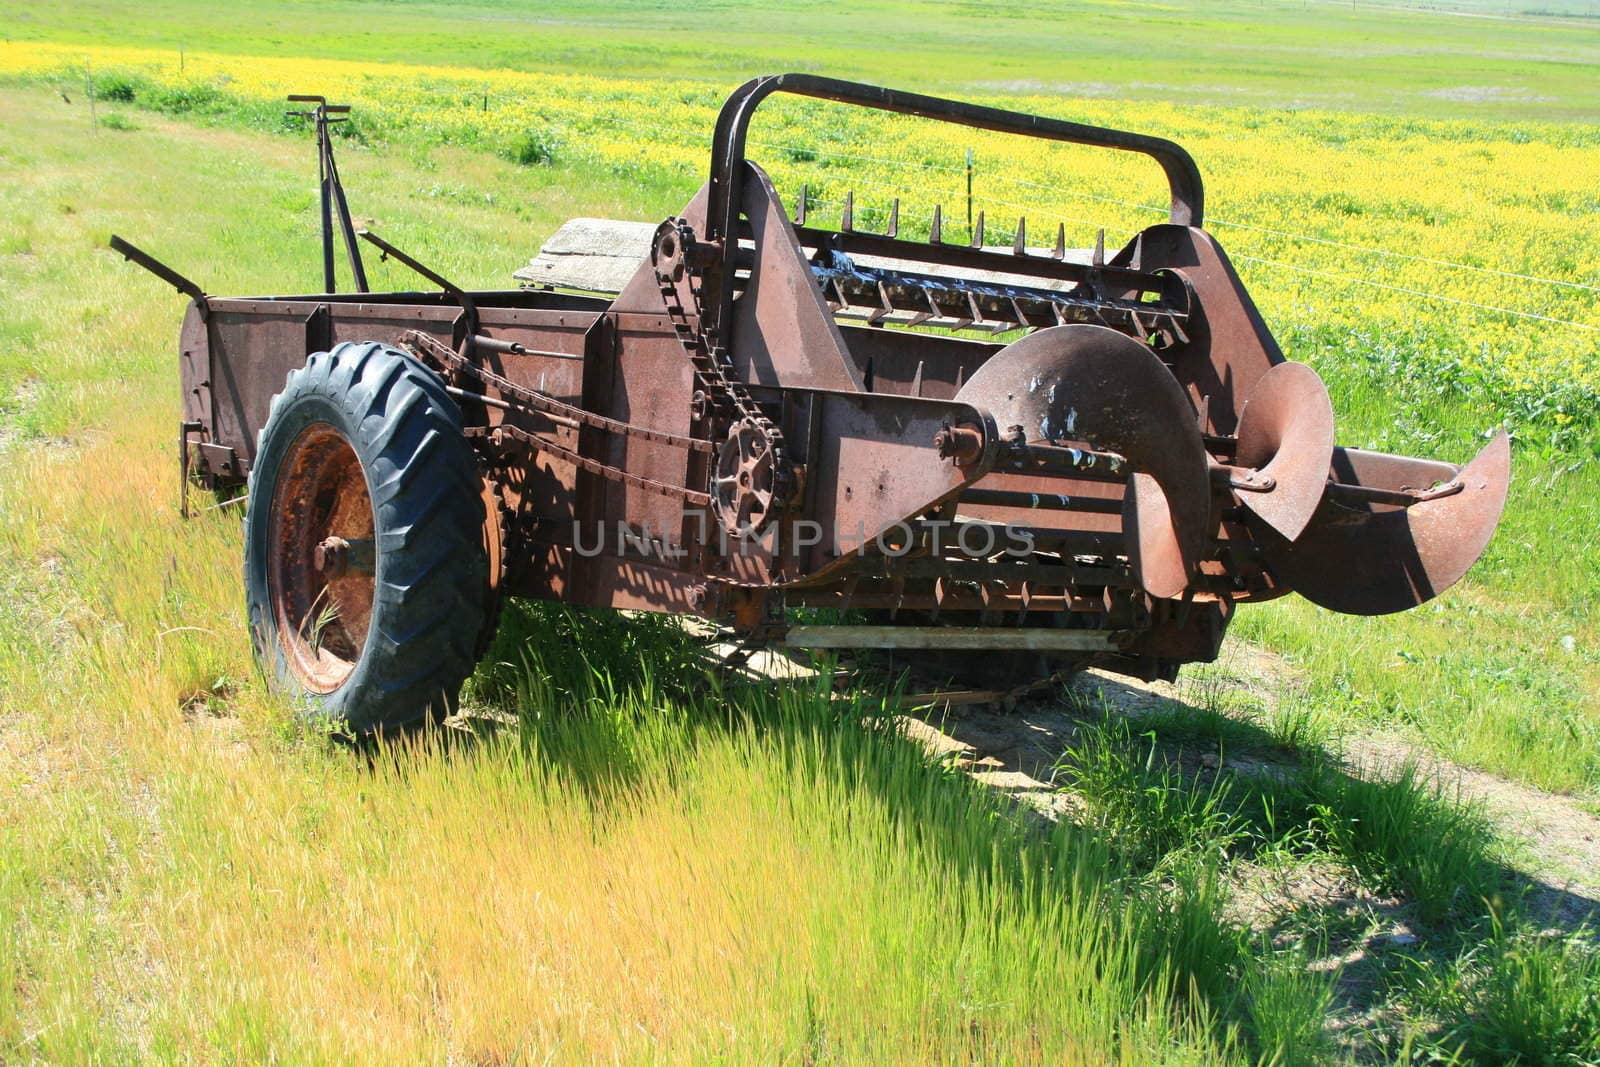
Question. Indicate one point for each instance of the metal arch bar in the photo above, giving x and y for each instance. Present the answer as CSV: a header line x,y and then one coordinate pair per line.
x,y
733,123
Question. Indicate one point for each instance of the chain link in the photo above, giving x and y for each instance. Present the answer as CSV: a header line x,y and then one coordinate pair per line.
x,y
712,367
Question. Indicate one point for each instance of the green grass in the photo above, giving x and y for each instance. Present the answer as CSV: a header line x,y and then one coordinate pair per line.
x,y
1522,996
1415,60
1159,812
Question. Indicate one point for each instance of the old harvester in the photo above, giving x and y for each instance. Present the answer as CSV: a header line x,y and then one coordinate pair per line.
x,y
991,453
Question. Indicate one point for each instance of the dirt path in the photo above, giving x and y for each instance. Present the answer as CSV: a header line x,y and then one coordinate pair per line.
x,y
1554,841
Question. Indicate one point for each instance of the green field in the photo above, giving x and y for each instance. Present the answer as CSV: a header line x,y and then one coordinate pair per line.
x,y
1487,59
646,869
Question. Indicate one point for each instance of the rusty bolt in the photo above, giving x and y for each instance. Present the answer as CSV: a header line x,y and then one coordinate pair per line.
x,y
336,557
331,557
702,254
964,444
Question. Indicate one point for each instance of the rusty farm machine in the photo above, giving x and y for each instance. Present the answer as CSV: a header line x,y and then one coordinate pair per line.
x,y
986,454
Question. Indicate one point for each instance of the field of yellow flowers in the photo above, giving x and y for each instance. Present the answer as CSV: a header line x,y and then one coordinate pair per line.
x,y
1471,247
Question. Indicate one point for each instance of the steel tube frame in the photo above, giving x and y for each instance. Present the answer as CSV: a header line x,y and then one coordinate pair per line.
x,y
733,123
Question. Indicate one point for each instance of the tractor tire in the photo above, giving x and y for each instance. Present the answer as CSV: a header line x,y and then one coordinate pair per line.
x,y
364,564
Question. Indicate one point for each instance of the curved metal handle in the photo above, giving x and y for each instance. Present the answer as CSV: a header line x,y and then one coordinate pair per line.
x,y
733,123
1183,177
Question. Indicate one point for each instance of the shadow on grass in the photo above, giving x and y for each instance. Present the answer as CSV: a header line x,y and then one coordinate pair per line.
x,y
1398,884
612,703
1170,798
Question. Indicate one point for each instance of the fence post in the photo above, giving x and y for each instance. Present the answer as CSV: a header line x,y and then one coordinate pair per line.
x,y
969,191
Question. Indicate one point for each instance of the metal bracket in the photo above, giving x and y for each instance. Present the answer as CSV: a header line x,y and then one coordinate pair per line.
x,y
185,430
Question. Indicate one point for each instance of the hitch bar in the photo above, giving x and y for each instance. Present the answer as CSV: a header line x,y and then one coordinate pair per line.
x,y
137,255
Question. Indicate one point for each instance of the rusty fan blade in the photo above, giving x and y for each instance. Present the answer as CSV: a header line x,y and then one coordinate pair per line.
x,y
1095,385
1286,434
1364,554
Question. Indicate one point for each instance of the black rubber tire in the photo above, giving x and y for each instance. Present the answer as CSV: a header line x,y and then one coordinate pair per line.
x,y
427,607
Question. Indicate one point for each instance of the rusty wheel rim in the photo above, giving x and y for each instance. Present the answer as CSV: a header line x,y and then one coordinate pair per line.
x,y
321,558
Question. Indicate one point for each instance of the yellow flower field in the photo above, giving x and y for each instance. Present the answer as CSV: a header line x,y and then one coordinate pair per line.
x,y
1480,239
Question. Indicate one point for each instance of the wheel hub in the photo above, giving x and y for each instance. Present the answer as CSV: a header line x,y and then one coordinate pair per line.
x,y
322,558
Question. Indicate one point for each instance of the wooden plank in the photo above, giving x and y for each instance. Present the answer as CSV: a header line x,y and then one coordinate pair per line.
x,y
596,255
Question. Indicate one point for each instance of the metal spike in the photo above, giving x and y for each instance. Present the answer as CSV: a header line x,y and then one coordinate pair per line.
x,y
894,219
800,208
885,306
916,380
850,590
936,231
1100,249
1019,247
1061,241
977,232
848,223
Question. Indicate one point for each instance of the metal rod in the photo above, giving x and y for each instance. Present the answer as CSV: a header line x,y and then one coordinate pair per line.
x,y
185,428
358,270
325,188
479,398
1048,603
969,190
1012,498
461,296
1404,498
1080,462
973,637
150,263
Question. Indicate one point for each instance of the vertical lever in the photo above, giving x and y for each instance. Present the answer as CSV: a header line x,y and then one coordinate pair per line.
x,y
331,191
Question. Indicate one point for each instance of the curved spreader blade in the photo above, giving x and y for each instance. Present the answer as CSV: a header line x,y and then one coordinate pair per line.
x,y
1286,434
1364,554
1093,384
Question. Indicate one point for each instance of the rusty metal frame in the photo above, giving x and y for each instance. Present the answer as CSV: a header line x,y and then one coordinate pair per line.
x,y
1145,438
